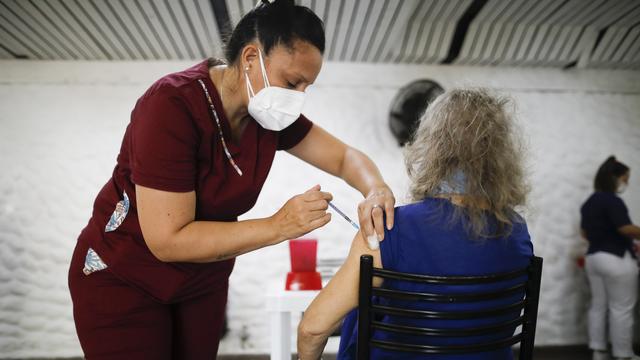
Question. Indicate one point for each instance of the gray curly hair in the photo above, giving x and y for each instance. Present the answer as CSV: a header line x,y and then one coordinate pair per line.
x,y
470,130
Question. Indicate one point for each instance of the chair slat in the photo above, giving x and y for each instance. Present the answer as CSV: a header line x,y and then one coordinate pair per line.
x,y
450,298
446,349
452,315
525,309
412,330
449,280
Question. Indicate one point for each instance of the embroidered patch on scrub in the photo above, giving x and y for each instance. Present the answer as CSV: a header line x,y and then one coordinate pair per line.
x,y
122,208
93,263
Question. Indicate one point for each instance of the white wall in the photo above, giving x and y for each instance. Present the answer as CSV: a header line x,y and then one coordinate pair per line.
x,y
61,125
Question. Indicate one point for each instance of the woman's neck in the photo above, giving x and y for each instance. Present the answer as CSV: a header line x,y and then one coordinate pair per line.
x,y
463,200
225,79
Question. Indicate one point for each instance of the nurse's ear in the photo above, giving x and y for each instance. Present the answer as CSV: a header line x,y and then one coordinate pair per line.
x,y
249,57
250,65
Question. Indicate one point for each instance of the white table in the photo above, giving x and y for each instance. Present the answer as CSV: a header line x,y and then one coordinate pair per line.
x,y
280,305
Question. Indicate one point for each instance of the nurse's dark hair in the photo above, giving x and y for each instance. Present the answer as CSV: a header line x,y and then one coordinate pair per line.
x,y
608,174
275,23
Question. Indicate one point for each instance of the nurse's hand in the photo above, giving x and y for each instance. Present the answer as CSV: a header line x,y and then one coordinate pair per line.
x,y
302,214
371,210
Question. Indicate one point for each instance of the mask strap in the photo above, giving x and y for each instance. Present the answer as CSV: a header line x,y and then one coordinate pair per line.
x,y
264,70
249,87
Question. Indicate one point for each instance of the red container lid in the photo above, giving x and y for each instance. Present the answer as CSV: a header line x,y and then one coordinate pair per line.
x,y
303,281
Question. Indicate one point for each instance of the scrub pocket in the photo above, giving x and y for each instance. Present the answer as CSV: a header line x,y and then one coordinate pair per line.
x,y
119,214
92,261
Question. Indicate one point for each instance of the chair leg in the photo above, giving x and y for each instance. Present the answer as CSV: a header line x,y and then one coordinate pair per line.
x,y
364,306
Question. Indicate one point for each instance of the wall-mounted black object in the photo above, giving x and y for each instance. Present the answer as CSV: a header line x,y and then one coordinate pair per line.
x,y
408,105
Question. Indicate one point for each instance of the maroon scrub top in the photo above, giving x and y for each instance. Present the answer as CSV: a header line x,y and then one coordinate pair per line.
x,y
172,144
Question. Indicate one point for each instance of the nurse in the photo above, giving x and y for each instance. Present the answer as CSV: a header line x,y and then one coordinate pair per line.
x,y
149,274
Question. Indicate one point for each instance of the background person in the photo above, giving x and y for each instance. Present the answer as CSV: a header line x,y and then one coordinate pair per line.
x,y
611,263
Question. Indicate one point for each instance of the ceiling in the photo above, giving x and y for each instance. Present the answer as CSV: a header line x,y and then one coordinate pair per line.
x,y
541,33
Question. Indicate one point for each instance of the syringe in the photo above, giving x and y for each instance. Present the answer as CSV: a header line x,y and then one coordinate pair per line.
x,y
372,240
344,216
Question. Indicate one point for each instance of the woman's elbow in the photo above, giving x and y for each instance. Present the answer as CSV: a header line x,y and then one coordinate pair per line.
x,y
311,333
162,242
160,249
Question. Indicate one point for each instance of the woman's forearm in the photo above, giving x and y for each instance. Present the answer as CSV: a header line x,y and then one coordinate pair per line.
x,y
207,241
360,172
311,342
310,347
631,231
168,224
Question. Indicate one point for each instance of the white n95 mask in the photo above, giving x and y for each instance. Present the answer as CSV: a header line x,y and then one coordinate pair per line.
x,y
274,108
622,187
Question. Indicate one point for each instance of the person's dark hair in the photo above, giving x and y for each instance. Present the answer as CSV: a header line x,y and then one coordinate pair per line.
x,y
608,174
274,23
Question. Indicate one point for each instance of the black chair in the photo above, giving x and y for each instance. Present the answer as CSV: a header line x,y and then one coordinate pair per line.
x,y
526,307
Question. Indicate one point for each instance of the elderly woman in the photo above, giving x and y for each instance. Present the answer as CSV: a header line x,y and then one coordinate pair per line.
x,y
467,180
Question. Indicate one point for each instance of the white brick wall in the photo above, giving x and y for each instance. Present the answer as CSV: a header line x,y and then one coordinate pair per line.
x,y
61,125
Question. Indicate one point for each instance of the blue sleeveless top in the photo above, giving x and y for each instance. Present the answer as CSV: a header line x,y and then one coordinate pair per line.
x,y
425,240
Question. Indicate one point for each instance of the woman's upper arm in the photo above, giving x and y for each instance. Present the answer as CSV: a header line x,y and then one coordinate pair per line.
x,y
618,212
341,293
161,215
163,142
162,148
321,149
359,247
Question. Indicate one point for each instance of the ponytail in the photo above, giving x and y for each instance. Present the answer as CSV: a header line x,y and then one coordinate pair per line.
x,y
607,176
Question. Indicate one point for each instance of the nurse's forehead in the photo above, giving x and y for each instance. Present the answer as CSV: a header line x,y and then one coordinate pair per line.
x,y
301,59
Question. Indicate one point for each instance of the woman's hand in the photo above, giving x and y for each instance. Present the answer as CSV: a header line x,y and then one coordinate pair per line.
x,y
302,214
357,170
379,201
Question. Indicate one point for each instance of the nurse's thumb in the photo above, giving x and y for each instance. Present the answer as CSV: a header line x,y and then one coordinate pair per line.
x,y
315,188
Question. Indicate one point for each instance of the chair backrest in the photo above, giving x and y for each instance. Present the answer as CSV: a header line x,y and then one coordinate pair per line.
x,y
526,307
